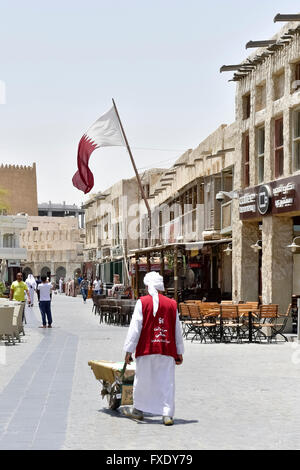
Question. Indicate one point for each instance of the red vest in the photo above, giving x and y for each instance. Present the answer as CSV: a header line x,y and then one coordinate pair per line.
x,y
158,333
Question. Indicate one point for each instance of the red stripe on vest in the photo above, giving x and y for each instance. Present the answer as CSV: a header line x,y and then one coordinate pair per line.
x,y
158,333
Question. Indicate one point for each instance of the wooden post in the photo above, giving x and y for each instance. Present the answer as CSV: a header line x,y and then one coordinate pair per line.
x,y
162,263
148,263
137,278
136,172
176,273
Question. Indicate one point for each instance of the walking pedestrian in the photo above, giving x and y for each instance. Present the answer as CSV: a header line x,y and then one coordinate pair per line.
x,y
18,289
84,288
44,289
97,286
72,288
31,284
156,338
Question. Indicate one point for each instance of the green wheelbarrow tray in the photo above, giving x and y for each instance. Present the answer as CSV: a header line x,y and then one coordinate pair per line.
x,y
116,379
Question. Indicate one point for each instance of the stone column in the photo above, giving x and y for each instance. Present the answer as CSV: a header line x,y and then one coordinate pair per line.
x,y
244,259
277,261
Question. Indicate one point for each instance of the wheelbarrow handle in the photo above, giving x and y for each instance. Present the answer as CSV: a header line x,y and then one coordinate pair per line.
x,y
123,371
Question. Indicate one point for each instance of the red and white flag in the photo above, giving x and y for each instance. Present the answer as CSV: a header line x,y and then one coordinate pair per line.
x,y
105,132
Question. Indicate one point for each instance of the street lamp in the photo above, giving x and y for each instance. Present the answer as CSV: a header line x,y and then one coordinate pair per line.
x,y
228,250
220,196
293,247
257,247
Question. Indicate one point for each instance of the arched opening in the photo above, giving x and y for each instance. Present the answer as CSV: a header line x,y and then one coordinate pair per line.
x,y
26,271
77,274
46,272
60,272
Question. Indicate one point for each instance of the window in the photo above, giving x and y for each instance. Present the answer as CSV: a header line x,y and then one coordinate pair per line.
x,y
278,83
8,240
279,153
295,77
296,140
246,160
260,101
260,153
116,207
246,106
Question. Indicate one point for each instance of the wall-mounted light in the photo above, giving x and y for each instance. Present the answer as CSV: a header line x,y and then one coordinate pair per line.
x,y
257,246
220,196
228,250
293,247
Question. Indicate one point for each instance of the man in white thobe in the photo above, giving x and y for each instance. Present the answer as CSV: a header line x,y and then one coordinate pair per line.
x,y
31,284
156,338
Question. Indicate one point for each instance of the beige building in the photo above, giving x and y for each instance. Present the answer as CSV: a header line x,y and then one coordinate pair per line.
x,y
112,227
266,217
19,184
11,253
188,220
54,247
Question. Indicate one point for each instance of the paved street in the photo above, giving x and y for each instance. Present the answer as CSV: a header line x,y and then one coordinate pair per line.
x,y
228,396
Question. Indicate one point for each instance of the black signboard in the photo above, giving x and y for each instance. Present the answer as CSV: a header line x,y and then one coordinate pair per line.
x,y
278,197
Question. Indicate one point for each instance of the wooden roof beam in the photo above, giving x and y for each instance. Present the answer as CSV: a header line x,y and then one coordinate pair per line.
x,y
292,17
252,44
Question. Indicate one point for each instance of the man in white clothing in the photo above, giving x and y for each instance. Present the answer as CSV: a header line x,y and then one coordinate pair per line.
x,y
60,284
97,286
31,284
156,338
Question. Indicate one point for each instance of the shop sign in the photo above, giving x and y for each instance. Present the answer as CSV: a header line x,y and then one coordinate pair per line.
x,y
116,251
13,263
248,203
106,252
195,265
264,199
274,198
284,195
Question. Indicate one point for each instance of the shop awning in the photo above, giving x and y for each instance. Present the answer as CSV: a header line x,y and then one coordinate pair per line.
x,y
188,245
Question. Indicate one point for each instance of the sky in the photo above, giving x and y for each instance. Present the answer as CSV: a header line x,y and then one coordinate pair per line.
x,y
63,61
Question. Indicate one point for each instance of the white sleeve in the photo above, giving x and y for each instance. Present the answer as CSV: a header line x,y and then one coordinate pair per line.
x,y
135,328
178,336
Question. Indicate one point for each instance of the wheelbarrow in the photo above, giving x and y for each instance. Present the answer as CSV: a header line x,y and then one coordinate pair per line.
x,y
116,379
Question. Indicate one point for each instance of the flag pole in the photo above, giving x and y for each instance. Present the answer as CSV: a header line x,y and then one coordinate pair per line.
x,y
134,167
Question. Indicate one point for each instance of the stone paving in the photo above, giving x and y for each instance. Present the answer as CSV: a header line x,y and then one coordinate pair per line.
x,y
227,396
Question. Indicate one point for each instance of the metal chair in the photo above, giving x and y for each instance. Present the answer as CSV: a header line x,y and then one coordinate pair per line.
x,y
267,318
244,311
278,327
229,323
196,322
184,316
7,329
210,312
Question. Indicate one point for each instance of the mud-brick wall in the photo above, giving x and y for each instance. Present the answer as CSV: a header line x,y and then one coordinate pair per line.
x,y
19,183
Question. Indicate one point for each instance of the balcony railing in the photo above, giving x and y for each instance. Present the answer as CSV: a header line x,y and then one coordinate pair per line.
x,y
13,253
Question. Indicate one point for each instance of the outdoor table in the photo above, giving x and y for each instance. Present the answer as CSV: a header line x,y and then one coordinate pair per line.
x,y
252,313
120,310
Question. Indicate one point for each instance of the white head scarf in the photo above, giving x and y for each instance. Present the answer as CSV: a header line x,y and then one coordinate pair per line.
x,y
154,282
30,281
